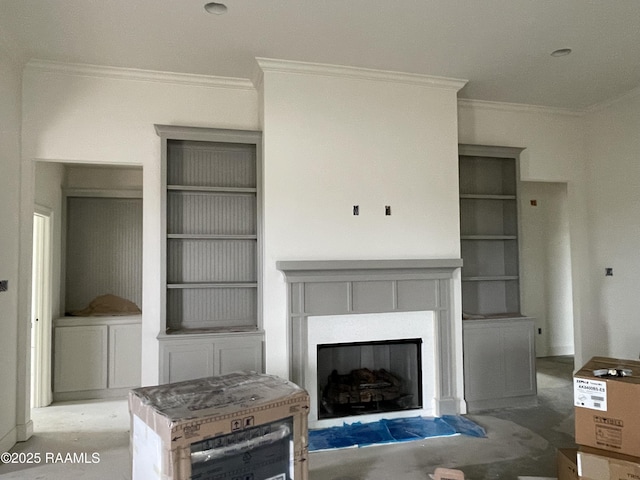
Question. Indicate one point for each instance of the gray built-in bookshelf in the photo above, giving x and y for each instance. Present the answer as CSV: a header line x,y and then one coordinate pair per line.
x,y
211,236
498,340
211,250
489,233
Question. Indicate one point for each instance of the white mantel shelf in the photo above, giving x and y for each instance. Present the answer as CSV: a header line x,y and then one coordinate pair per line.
x,y
340,265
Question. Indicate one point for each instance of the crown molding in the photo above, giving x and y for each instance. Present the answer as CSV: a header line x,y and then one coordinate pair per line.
x,y
257,77
598,107
99,71
519,107
321,69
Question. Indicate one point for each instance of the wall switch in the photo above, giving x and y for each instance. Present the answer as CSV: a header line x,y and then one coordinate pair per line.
x,y
608,272
387,210
4,285
356,209
539,331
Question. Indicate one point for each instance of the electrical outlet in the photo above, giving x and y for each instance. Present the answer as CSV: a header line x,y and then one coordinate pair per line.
x,y
387,210
356,209
608,272
4,285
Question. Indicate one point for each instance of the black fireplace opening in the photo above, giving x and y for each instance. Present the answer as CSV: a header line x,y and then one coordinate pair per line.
x,y
369,377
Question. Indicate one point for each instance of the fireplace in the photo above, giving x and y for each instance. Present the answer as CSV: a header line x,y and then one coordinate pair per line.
x,y
360,378
400,310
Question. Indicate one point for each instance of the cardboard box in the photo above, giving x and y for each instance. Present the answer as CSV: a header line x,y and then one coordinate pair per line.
x,y
566,464
236,426
447,474
602,465
607,408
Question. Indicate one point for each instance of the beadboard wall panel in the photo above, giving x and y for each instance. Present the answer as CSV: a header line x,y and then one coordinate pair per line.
x,y
191,164
103,250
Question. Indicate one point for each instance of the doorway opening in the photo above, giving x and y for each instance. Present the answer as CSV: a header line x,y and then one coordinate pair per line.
x,y
546,258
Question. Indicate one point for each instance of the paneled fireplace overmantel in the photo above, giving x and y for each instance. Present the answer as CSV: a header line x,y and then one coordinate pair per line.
x,y
348,287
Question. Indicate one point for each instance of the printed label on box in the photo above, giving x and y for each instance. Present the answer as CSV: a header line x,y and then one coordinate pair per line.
x,y
608,436
589,393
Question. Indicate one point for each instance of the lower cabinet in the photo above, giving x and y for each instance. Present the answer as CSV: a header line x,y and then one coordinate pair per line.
x,y
499,362
95,357
186,357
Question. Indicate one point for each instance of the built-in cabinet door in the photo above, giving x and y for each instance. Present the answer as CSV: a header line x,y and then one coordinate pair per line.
x,y
237,355
499,361
519,358
80,358
483,362
124,355
188,359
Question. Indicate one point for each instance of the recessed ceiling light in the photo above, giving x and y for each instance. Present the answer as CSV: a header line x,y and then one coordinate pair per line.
x,y
216,8
561,52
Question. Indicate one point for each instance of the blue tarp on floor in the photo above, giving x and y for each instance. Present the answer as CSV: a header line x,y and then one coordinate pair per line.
x,y
391,431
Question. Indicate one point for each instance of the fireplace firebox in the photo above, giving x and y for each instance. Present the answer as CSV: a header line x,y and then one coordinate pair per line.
x,y
369,377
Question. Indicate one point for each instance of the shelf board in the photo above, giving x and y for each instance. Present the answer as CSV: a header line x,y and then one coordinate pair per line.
x,y
212,285
470,317
205,189
490,278
484,196
190,236
488,237
211,331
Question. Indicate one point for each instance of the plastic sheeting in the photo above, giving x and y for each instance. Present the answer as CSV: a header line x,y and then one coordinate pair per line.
x,y
391,431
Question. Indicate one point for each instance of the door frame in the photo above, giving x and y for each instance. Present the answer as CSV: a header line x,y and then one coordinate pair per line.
x,y
41,318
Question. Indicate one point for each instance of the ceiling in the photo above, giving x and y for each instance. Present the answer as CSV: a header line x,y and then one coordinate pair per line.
x,y
501,46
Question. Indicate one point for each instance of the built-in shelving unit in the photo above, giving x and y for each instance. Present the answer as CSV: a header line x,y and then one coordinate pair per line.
x,y
499,342
489,232
211,267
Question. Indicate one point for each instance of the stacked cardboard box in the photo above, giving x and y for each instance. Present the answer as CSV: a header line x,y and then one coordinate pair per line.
x,y
607,415
236,426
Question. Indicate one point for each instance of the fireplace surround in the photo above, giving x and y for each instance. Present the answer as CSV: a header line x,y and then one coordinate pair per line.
x,y
324,294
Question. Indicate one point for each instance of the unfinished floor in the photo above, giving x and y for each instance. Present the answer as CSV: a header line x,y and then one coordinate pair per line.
x,y
520,441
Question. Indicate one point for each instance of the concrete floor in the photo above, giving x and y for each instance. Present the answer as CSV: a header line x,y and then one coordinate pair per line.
x,y
521,442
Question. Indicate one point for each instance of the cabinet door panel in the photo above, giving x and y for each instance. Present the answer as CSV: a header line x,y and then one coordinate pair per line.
x,y
483,363
519,359
124,356
235,355
80,358
187,361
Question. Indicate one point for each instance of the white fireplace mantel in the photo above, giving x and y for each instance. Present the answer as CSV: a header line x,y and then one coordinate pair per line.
x,y
347,287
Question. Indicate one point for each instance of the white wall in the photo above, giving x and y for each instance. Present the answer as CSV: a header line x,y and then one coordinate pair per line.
x,y
554,143
10,106
334,141
103,177
613,147
107,116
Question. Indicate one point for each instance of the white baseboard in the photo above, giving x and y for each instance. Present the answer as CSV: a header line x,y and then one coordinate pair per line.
x,y
24,431
9,440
